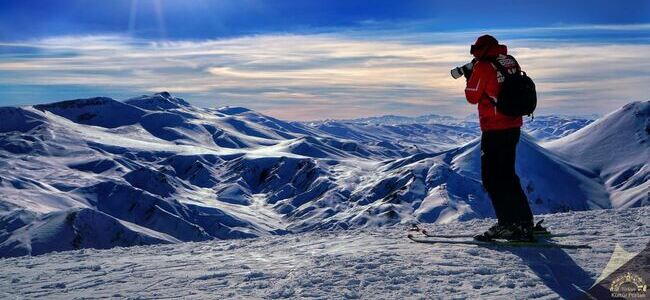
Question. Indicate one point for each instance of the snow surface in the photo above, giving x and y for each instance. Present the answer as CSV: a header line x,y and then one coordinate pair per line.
x,y
343,264
101,173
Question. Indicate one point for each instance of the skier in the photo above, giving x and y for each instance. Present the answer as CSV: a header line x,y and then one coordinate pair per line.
x,y
499,138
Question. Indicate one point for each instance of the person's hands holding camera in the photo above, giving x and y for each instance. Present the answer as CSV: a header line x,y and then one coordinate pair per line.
x,y
467,69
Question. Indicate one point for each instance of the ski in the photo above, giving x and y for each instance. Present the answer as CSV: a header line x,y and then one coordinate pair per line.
x,y
538,234
498,243
452,236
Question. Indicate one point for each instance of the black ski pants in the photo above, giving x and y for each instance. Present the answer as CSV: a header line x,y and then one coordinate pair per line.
x,y
498,149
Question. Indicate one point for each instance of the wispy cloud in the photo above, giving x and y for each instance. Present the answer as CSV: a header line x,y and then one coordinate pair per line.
x,y
303,77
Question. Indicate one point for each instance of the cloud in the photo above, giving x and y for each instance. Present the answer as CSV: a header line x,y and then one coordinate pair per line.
x,y
335,75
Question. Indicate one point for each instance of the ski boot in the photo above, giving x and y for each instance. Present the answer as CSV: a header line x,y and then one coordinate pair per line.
x,y
540,230
492,233
511,232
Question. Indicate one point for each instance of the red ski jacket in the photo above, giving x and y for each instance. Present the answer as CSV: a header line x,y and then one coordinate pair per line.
x,y
485,84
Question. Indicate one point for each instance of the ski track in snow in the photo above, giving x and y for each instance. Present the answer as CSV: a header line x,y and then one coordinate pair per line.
x,y
364,263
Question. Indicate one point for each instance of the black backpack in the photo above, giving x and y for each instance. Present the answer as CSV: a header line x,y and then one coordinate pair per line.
x,y
517,96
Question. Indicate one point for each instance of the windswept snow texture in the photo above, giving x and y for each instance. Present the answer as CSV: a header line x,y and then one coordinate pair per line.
x,y
354,264
100,173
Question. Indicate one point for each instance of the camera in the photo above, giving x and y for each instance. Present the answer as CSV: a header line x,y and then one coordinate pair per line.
x,y
466,70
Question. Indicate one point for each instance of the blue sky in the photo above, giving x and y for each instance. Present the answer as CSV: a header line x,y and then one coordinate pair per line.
x,y
305,60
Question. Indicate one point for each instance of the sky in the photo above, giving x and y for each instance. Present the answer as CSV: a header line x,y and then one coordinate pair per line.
x,y
309,60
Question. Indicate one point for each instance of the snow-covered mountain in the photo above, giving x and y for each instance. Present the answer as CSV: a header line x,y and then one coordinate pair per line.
x,y
441,132
546,128
99,173
396,120
617,148
429,137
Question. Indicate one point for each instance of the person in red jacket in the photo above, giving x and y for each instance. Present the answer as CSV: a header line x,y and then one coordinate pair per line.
x,y
499,138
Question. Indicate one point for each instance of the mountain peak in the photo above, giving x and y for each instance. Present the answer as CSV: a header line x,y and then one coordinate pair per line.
x,y
615,146
233,110
158,101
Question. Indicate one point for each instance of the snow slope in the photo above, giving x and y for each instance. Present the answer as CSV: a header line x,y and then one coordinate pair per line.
x,y
352,264
100,173
617,147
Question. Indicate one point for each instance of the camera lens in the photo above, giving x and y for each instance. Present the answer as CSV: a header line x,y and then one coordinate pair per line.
x,y
456,72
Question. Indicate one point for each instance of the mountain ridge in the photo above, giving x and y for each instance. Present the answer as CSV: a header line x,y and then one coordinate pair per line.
x,y
157,169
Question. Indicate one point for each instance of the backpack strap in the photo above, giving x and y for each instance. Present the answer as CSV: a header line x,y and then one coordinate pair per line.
x,y
495,62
